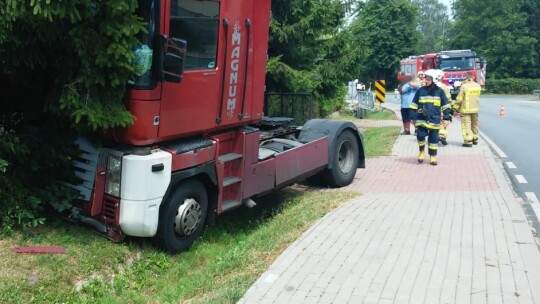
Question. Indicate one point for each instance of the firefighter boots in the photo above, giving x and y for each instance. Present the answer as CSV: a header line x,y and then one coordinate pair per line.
x,y
421,156
475,141
443,141
432,160
468,144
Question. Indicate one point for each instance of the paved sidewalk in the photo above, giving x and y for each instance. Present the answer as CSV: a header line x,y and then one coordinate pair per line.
x,y
452,233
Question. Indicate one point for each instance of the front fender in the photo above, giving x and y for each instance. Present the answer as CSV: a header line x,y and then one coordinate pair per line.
x,y
317,128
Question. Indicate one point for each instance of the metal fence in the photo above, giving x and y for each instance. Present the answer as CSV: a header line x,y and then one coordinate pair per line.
x,y
359,101
299,106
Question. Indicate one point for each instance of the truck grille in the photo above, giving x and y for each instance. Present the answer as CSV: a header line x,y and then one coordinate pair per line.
x,y
85,168
111,210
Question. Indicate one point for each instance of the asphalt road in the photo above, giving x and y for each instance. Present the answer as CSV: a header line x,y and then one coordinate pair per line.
x,y
518,137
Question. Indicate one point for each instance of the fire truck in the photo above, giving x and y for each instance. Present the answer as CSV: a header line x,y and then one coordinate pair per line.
x,y
201,144
454,63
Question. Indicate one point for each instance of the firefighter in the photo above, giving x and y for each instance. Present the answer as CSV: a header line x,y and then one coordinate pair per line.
x,y
428,102
443,132
467,104
420,77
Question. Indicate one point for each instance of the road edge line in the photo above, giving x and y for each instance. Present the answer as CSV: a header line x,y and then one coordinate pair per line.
x,y
496,148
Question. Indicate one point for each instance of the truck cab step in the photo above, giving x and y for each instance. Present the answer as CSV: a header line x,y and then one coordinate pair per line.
x,y
230,204
229,180
228,157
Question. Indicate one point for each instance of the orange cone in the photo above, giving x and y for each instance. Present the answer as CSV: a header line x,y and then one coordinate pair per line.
x,y
501,112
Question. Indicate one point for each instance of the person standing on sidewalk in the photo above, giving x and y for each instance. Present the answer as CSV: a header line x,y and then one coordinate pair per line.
x,y
428,104
407,88
443,132
467,104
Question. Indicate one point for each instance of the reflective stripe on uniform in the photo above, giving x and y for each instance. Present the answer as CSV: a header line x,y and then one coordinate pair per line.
x,y
432,126
473,92
433,146
435,100
419,122
429,125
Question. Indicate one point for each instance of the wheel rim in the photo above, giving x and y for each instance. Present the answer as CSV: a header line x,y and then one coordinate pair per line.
x,y
346,157
188,217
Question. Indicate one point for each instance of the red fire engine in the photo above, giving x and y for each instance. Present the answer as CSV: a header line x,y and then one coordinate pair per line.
x,y
454,63
200,145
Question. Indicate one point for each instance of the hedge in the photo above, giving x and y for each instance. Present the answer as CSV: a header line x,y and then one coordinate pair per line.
x,y
512,86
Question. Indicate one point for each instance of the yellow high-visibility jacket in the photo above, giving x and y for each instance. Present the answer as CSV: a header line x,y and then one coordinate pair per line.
x,y
468,98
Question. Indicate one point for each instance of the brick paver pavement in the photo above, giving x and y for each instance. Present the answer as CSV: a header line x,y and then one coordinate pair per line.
x,y
452,233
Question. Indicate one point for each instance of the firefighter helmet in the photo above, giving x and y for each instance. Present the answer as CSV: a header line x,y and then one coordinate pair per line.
x,y
431,73
439,74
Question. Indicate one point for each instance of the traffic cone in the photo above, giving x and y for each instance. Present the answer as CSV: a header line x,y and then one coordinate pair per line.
x,y
501,112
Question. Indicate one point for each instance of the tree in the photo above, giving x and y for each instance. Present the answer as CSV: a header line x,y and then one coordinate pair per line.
x,y
307,49
532,9
433,25
387,29
501,31
64,67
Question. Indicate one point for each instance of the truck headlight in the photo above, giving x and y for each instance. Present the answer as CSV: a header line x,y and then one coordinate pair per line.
x,y
114,171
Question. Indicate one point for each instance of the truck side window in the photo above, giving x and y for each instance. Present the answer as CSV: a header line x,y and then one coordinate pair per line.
x,y
196,22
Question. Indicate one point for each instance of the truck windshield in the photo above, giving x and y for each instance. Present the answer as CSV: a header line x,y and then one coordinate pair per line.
x,y
143,53
457,64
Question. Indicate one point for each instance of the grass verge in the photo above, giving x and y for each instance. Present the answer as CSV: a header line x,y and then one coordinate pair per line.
x,y
375,114
380,141
219,268
381,114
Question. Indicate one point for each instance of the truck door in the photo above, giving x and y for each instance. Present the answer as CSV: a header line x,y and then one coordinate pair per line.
x,y
212,92
191,105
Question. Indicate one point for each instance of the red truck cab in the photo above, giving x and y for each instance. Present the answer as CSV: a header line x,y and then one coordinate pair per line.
x,y
197,146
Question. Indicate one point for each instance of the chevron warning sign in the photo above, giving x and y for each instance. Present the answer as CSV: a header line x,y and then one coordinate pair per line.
x,y
380,91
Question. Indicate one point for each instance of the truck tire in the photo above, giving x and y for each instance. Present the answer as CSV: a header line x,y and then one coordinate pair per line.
x,y
344,164
182,217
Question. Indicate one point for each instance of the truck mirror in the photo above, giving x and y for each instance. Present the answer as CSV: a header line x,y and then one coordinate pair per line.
x,y
482,61
173,61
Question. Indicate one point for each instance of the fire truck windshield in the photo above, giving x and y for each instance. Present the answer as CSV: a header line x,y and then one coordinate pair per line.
x,y
143,53
457,64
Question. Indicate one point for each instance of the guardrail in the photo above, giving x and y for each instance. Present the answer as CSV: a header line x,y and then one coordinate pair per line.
x,y
537,92
366,103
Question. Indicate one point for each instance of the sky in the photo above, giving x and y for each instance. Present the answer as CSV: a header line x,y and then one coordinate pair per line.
x,y
448,4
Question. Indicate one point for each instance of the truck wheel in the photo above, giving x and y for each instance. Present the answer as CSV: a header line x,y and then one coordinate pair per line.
x,y
182,217
344,163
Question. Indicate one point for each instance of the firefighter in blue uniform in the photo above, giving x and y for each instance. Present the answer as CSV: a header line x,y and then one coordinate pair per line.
x,y
427,105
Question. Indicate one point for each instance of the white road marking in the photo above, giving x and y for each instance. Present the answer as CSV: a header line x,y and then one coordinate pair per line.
x,y
511,165
521,179
493,145
533,200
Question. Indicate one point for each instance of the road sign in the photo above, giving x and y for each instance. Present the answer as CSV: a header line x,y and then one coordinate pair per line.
x,y
380,91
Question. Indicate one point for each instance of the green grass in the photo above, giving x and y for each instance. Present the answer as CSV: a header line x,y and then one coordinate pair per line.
x,y
376,114
380,141
381,114
219,268
377,141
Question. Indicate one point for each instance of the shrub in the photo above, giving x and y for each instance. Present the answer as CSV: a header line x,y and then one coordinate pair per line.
x,y
512,86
